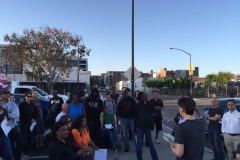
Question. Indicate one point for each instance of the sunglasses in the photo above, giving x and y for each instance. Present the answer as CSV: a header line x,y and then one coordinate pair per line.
x,y
69,121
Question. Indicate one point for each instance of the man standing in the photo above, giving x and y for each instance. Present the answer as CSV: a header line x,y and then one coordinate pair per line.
x,y
190,134
157,115
125,110
109,103
94,107
54,107
143,123
214,129
114,95
39,128
14,134
231,128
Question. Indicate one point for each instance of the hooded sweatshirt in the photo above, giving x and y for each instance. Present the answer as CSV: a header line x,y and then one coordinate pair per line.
x,y
143,115
126,107
93,107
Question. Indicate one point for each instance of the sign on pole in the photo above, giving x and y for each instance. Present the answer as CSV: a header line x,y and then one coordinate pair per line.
x,y
128,73
191,69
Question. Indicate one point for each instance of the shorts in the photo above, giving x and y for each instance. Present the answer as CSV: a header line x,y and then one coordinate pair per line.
x,y
39,128
158,122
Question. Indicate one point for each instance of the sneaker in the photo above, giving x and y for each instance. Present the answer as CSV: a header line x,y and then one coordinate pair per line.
x,y
126,150
114,148
118,146
157,141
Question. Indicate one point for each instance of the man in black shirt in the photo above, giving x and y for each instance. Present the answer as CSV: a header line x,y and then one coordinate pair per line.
x,y
157,115
94,107
54,107
125,111
60,148
214,129
190,134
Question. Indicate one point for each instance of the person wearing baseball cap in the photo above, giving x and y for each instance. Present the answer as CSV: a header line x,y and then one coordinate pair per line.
x,y
13,113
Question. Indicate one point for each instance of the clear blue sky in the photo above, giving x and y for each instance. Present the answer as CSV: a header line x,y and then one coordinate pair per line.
x,y
208,29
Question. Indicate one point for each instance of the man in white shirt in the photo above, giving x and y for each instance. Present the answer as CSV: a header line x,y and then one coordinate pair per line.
x,y
231,128
65,111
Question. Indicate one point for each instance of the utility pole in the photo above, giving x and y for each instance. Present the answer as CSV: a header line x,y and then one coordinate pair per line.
x,y
132,75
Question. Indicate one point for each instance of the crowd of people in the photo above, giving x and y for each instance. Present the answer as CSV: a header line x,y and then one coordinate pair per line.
x,y
80,126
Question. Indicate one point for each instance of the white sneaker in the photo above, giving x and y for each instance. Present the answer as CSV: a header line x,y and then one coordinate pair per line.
x,y
157,141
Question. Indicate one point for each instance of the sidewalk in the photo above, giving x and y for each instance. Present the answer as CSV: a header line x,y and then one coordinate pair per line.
x,y
163,150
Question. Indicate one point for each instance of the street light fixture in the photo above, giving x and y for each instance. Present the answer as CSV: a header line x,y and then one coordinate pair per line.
x,y
190,68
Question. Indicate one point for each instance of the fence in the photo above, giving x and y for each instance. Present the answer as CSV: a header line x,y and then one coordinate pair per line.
x,y
197,92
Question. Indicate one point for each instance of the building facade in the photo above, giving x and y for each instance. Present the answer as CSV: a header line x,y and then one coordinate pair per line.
x,y
112,77
82,63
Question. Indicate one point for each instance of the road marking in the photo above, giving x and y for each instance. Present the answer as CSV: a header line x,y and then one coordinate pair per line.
x,y
206,149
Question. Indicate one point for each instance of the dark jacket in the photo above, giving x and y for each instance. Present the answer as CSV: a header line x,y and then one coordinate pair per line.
x,y
57,150
126,108
93,107
27,112
143,115
177,118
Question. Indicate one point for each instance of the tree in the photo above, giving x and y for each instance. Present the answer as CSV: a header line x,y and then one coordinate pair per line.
x,y
224,77
211,77
46,53
221,77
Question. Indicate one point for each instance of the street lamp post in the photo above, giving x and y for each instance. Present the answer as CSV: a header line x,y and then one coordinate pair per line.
x,y
190,68
132,75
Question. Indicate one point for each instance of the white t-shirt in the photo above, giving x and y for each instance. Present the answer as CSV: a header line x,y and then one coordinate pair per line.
x,y
59,116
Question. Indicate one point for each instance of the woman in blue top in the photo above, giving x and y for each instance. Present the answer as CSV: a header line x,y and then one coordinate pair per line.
x,y
76,107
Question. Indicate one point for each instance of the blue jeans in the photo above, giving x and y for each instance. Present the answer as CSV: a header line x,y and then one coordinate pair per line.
x,y
148,136
214,137
128,123
27,136
16,136
111,133
5,148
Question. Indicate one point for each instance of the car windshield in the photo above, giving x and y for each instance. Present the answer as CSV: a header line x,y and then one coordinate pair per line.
x,y
40,91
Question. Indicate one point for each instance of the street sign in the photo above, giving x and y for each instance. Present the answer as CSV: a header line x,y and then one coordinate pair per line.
x,y
190,68
128,73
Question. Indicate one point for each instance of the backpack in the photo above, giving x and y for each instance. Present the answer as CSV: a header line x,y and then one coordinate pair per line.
x,y
104,102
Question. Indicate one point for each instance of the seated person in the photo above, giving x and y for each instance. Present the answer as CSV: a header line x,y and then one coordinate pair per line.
x,y
60,148
65,111
107,119
82,137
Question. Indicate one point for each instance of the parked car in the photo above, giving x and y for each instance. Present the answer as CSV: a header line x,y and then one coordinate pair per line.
x,y
102,89
222,103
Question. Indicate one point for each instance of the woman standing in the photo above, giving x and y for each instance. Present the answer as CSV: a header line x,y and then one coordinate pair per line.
x,y
5,146
28,114
81,135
